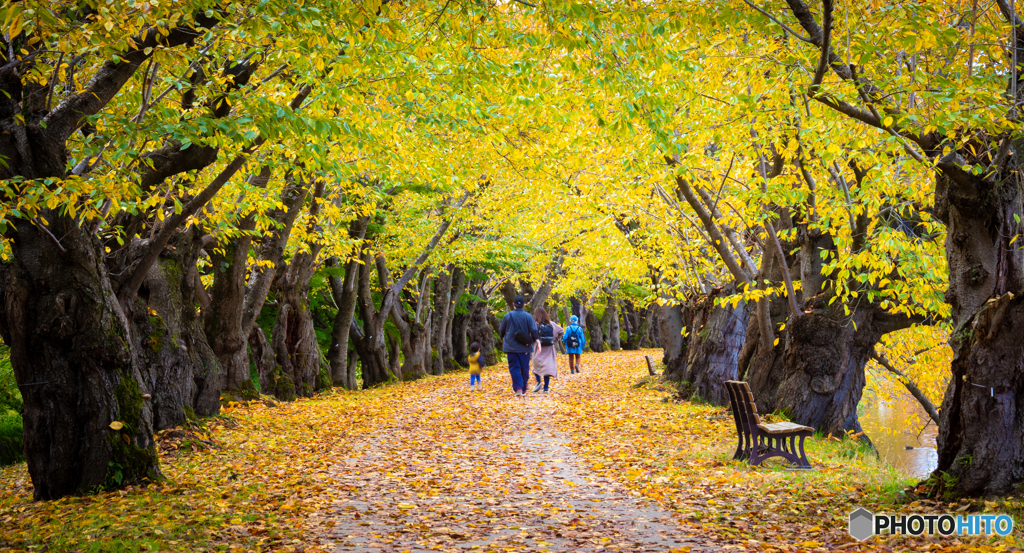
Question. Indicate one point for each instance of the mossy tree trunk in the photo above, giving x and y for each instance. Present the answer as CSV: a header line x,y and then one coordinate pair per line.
x,y
73,358
440,328
414,324
178,364
481,331
981,433
239,291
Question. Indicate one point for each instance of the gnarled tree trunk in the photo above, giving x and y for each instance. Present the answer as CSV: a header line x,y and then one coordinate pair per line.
x,y
74,360
179,366
345,293
716,338
671,319
481,331
293,339
981,432
610,320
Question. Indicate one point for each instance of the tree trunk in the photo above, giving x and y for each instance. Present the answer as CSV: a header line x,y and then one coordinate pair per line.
x,y
236,302
261,351
178,363
370,341
75,365
596,340
440,331
223,320
345,293
459,284
294,338
670,330
509,292
481,331
611,315
716,338
981,436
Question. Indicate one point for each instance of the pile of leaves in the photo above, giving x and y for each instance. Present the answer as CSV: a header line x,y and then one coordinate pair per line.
x,y
248,479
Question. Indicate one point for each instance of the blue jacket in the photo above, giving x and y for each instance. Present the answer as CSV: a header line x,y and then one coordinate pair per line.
x,y
514,321
577,330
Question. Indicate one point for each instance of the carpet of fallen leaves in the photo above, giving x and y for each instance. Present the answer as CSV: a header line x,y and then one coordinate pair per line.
x,y
601,463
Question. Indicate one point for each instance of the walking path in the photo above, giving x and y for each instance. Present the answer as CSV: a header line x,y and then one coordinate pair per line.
x,y
455,470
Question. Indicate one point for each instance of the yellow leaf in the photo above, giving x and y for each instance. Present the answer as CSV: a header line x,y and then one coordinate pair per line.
x,y
116,425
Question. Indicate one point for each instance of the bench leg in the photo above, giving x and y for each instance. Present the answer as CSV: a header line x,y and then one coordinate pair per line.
x,y
804,463
739,447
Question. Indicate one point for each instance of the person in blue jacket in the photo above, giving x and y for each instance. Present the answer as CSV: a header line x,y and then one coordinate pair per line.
x,y
519,339
574,343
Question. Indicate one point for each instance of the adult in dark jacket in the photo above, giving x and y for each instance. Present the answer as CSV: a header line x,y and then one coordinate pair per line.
x,y
519,339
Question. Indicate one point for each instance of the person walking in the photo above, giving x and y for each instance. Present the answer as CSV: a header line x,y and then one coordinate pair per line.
x,y
519,339
574,343
476,365
545,364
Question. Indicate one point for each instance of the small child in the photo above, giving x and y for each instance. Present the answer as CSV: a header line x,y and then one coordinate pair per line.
x,y
476,364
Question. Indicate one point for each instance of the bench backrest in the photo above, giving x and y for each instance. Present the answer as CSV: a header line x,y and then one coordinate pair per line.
x,y
650,365
744,408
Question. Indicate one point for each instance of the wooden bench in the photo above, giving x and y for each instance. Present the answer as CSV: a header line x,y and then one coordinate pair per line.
x,y
650,366
759,441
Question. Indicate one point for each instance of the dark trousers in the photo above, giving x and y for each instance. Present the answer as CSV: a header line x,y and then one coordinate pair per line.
x,y
574,361
547,380
519,369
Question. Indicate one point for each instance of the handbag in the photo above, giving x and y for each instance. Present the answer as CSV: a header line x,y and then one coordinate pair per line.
x,y
522,337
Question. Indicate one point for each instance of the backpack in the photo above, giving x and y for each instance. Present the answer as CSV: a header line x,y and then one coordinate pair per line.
x,y
547,334
572,340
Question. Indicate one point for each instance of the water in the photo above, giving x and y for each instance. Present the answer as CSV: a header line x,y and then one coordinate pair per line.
x,y
892,427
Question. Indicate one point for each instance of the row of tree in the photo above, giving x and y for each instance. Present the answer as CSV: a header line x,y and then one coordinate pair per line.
x,y
791,188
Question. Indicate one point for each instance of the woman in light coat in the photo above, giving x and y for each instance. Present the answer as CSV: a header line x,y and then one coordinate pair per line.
x,y
545,364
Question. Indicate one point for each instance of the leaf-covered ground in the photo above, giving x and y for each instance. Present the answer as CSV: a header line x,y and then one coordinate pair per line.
x,y
599,464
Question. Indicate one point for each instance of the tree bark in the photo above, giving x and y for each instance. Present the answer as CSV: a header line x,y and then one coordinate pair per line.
x,y
262,355
716,337
345,292
369,342
481,331
440,330
178,363
76,367
294,338
236,302
593,326
981,438
414,326
670,331
611,318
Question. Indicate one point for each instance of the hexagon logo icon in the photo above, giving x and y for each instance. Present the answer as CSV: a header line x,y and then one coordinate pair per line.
x,y
862,524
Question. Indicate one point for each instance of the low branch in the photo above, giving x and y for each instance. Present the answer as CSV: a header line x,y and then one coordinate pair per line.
x,y
929,407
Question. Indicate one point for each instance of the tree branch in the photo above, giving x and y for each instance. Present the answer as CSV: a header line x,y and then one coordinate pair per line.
x,y
929,407
131,286
69,115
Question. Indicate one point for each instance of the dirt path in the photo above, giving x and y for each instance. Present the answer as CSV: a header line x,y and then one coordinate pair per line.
x,y
463,471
